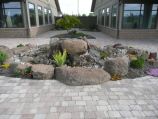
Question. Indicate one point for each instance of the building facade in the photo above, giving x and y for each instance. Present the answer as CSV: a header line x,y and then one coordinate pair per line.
x,y
27,18
129,19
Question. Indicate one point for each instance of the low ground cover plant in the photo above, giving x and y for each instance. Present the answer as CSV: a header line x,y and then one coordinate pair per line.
x,y
138,64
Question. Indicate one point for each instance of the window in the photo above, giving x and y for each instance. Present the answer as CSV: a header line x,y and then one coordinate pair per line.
x,y
46,16
140,16
40,15
11,15
32,14
107,17
113,16
102,16
50,16
99,17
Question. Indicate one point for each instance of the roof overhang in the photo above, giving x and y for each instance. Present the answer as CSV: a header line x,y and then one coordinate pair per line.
x,y
93,5
58,6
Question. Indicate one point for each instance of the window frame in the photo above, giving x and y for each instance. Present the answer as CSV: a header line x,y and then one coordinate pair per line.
x,y
4,13
50,15
35,14
111,25
45,16
140,13
107,13
39,14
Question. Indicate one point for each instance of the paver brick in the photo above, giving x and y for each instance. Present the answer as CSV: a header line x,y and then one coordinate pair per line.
x,y
50,99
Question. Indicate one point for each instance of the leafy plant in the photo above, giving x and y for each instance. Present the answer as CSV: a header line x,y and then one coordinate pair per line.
x,y
28,70
3,57
5,66
68,22
17,73
20,45
60,58
138,64
103,54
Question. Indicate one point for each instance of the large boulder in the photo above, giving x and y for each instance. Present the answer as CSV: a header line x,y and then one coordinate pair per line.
x,y
41,71
117,65
81,76
75,46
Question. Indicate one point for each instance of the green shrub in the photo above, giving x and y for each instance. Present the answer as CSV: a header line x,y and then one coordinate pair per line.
x,y
3,57
103,55
138,64
17,73
60,58
28,70
68,22
20,45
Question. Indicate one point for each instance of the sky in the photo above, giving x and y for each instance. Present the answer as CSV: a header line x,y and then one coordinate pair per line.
x,y
70,6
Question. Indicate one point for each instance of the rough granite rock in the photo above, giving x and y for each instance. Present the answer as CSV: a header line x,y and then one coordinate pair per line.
x,y
55,46
117,65
6,50
20,50
77,76
75,46
41,71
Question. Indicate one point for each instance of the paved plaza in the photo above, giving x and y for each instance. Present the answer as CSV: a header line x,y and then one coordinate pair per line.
x,y
50,99
101,40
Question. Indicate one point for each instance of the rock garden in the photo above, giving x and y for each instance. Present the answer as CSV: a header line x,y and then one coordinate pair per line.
x,y
76,62
71,59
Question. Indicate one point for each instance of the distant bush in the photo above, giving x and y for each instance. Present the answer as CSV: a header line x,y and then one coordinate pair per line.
x,y
68,22
138,64
3,57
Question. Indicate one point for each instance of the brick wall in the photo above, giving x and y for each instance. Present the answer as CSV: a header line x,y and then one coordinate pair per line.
x,y
138,33
34,31
13,32
108,31
24,32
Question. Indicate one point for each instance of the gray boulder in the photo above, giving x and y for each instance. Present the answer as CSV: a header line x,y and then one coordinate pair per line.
x,y
21,50
77,76
55,46
6,50
117,65
41,71
9,53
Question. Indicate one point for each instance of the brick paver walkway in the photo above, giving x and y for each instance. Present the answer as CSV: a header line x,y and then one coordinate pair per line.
x,y
50,99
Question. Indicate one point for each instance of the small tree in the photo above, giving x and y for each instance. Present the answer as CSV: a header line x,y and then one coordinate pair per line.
x,y
68,22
